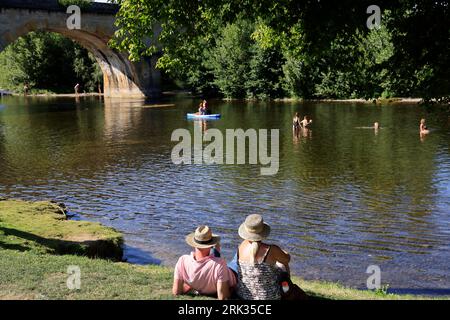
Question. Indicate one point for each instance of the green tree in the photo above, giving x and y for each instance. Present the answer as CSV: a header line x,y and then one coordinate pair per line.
x,y
323,47
229,60
48,61
420,65
354,67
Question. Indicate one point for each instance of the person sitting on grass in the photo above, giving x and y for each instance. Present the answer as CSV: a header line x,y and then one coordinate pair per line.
x,y
203,271
258,265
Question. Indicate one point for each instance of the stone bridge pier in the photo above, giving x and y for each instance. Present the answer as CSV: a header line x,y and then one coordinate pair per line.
x,y
122,77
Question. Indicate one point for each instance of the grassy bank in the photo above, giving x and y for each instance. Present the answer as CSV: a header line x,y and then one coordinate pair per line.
x,y
33,266
25,275
43,227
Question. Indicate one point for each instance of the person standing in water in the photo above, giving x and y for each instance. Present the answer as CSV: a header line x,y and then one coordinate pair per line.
x,y
77,87
26,88
305,122
296,121
423,127
376,127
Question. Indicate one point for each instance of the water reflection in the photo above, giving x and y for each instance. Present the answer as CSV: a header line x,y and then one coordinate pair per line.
x,y
344,197
121,117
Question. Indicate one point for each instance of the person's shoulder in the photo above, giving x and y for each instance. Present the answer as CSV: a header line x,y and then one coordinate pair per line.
x,y
184,258
280,253
218,261
275,249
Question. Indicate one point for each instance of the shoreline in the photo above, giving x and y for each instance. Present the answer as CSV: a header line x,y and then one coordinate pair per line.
x,y
168,94
18,229
58,95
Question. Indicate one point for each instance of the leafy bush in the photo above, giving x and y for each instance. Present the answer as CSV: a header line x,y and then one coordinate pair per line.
x,y
49,62
354,67
229,60
80,3
243,68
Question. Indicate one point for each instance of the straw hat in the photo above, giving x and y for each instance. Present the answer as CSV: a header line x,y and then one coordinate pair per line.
x,y
202,238
254,228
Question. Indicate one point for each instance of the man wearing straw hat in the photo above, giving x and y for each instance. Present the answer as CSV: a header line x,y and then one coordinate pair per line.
x,y
200,271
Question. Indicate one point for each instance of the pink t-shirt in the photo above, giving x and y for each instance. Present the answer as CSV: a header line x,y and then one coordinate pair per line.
x,y
204,274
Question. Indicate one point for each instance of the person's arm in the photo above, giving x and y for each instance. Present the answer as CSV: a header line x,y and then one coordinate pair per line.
x,y
282,257
223,290
178,287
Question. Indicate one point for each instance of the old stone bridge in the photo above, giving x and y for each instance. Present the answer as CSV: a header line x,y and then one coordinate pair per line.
x,y
122,78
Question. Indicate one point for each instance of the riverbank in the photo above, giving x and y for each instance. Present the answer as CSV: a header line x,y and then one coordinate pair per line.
x,y
60,95
25,275
378,101
34,263
43,228
361,101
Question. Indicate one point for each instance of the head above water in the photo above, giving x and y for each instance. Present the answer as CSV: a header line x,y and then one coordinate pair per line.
x,y
376,125
422,121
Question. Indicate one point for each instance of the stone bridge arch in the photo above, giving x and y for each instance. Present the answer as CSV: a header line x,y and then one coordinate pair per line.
x,y
122,78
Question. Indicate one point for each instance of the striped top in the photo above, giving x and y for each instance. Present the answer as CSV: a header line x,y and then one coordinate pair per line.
x,y
258,281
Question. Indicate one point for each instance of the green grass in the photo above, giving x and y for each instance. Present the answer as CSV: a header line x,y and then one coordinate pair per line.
x,y
42,227
83,4
35,235
335,291
26,275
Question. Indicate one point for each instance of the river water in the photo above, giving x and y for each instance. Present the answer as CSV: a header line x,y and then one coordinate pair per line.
x,y
344,198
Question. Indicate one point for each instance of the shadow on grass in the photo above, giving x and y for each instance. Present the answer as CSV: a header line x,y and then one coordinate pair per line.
x,y
13,246
94,249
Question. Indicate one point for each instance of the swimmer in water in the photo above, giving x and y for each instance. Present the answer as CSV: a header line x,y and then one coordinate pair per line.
x,y
296,121
305,122
423,127
376,127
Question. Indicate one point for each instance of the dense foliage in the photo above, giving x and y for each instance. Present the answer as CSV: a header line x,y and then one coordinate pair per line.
x,y
309,48
48,61
80,3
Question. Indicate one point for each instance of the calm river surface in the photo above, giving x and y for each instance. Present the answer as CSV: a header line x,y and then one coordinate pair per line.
x,y
343,199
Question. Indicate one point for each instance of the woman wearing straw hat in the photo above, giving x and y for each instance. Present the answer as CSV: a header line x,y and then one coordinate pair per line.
x,y
202,271
258,263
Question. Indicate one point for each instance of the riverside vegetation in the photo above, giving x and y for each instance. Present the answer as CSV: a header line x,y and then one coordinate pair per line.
x,y
38,243
307,49
258,50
